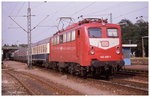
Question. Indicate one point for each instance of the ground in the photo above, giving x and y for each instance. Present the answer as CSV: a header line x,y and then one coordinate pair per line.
x,y
87,86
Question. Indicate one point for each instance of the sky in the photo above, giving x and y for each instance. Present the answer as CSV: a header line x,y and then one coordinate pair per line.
x,y
49,13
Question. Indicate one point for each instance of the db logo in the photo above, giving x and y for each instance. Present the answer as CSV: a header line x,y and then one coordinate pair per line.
x,y
104,43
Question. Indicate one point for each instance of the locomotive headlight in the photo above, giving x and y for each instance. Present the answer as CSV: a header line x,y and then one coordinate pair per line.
x,y
118,52
103,23
92,52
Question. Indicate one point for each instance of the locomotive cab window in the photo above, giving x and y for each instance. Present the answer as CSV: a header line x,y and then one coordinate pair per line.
x,y
61,39
112,32
95,32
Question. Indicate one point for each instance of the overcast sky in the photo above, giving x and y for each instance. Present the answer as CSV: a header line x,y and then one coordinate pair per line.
x,y
11,34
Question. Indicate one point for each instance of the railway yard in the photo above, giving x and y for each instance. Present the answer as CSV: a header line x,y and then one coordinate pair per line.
x,y
18,80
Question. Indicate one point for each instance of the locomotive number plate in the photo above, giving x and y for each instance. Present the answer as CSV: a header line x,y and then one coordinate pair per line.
x,y
105,56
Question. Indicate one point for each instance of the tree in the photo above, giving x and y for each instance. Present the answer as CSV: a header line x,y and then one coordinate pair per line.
x,y
133,33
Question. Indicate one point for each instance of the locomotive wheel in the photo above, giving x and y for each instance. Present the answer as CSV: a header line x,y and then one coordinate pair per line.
x,y
77,69
107,74
54,66
60,69
83,72
71,69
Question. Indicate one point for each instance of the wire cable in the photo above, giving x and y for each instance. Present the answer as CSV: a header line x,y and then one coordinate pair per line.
x,y
83,8
130,12
105,9
19,10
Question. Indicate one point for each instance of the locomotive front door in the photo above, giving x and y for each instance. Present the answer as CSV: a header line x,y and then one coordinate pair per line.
x,y
78,32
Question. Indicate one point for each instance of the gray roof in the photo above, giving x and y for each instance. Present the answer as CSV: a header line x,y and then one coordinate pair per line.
x,y
41,42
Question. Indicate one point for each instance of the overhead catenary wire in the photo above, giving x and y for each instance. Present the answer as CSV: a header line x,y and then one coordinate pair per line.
x,y
83,8
18,24
104,9
130,12
40,22
54,13
19,10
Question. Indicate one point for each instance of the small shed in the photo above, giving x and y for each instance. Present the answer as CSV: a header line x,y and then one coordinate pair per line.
x,y
126,49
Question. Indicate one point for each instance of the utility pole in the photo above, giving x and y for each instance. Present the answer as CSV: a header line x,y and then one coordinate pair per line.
x,y
143,49
29,50
29,36
110,17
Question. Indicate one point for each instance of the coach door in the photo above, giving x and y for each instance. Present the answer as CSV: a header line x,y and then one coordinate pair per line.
x,y
78,42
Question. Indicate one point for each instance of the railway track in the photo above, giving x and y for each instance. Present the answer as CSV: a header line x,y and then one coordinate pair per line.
x,y
133,73
38,86
122,85
131,85
29,91
134,70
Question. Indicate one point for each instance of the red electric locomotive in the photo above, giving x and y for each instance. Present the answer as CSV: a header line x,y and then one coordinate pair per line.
x,y
90,46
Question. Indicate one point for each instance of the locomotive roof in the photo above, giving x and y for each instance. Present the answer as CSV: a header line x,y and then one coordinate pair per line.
x,y
41,42
85,22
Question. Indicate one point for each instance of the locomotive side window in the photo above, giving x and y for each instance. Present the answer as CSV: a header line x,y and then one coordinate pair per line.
x,y
112,32
52,41
78,33
64,37
68,36
95,32
73,35
57,40
61,39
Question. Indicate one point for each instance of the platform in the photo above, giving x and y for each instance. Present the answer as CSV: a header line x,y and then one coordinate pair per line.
x,y
136,67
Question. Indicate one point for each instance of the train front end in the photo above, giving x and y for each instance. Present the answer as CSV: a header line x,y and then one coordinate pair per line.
x,y
105,48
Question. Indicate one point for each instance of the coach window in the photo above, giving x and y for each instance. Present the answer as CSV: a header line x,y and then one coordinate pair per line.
x,y
112,32
32,50
36,50
73,35
40,49
64,37
44,48
68,36
61,39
